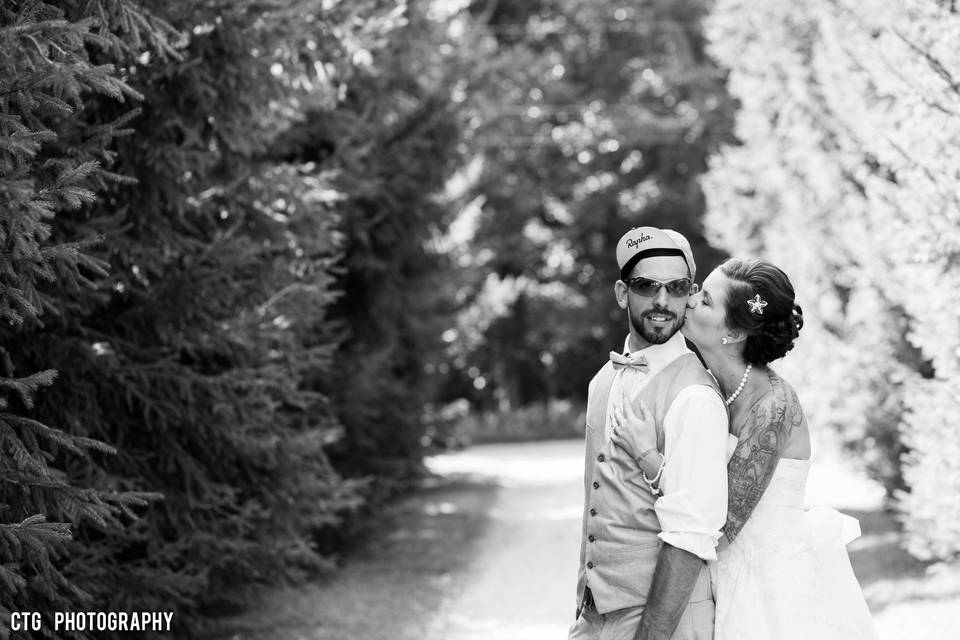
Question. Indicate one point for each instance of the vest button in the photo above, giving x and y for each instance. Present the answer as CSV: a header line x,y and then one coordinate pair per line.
x,y
596,485
589,565
593,512
600,458
592,538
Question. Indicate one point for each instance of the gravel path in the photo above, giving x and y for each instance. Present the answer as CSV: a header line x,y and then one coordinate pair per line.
x,y
488,551
521,582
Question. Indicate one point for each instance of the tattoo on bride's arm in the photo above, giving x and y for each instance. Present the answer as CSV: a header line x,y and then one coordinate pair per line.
x,y
753,463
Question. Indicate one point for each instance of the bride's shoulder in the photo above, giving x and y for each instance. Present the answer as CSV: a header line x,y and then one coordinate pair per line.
x,y
772,408
779,396
772,393
780,388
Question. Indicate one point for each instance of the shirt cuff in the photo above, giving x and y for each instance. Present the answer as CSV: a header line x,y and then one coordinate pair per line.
x,y
691,525
702,545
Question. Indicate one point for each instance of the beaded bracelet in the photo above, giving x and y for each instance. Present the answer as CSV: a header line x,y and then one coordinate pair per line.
x,y
650,482
647,453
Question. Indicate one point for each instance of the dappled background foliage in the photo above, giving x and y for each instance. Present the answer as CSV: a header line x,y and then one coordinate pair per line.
x,y
388,148
847,177
580,120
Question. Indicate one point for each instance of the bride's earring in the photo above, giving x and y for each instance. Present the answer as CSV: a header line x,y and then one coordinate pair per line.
x,y
724,341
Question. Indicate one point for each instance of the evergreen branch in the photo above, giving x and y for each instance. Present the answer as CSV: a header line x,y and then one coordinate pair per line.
x,y
75,197
13,32
76,174
115,128
69,258
19,145
287,290
54,103
11,581
76,444
26,387
79,504
117,178
18,298
160,31
24,460
97,445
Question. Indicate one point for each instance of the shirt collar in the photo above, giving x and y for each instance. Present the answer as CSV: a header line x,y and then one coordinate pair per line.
x,y
660,355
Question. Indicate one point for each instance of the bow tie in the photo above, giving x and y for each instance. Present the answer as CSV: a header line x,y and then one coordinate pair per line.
x,y
637,362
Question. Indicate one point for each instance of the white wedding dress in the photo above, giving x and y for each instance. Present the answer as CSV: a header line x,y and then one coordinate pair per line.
x,y
787,576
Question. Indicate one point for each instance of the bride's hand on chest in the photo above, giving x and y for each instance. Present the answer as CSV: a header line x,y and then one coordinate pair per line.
x,y
635,433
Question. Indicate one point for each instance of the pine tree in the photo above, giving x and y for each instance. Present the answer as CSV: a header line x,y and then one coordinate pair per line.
x,y
50,170
178,278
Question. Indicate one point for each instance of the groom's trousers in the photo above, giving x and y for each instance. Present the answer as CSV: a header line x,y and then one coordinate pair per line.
x,y
696,622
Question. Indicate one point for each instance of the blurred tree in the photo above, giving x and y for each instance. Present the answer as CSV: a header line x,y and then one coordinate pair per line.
x,y
582,120
847,177
389,147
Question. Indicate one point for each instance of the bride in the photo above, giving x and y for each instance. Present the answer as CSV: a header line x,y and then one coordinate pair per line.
x,y
781,571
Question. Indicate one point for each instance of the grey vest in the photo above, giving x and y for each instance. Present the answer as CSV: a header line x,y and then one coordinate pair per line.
x,y
619,544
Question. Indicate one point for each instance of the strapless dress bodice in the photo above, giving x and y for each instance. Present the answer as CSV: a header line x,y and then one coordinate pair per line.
x,y
788,485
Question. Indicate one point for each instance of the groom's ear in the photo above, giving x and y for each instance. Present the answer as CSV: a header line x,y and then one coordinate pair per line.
x,y
620,290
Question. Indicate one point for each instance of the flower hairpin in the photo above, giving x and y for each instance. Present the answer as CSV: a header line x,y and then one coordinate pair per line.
x,y
757,304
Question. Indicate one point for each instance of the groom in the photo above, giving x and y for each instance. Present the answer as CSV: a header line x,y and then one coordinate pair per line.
x,y
642,571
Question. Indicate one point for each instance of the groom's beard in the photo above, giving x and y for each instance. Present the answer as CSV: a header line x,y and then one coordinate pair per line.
x,y
656,335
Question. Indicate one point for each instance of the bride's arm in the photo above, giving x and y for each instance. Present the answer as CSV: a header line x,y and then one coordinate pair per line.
x,y
761,439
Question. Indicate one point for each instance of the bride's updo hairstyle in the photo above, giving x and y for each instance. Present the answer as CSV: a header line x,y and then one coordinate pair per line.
x,y
772,322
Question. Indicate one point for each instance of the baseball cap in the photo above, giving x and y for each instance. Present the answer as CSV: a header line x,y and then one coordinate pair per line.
x,y
643,242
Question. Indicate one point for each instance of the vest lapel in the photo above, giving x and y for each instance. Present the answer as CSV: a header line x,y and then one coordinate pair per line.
x,y
597,412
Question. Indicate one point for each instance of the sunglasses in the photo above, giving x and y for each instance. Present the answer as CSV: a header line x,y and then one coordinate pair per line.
x,y
649,288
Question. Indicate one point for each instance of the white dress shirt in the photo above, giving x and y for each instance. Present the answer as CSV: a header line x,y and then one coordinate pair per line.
x,y
693,506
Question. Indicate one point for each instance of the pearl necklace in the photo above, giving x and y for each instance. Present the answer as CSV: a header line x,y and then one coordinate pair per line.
x,y
743,381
